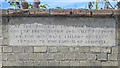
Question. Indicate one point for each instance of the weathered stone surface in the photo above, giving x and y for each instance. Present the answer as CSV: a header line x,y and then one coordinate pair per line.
x,y
84,63
40,49
64,63
4,56
59,56
95,49
7,63
85,56
23,56
95,63
74,63
113,56
28,49
53,63
28,63
18,49
41,63
115,49
63,49
110,63
36,56
82,49
69,56
7,49
52,49
12,56
102,56
50,56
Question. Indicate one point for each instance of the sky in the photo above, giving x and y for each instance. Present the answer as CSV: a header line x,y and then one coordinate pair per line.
x,y
65,4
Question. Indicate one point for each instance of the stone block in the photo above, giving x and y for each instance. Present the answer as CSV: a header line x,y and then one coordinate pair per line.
x,y
7,49
36,56
64,63
40,49
74,63
85,56
28,49
28,63
12,56
63,49
18,63
59,56
84,63
115,49
70,56
23,56
95,49
4,56
71,49
0,48
110,63
53,63
113,56
106,49
95,63
18,49
41,63
7,63
102,56
52,49
84,49
50,56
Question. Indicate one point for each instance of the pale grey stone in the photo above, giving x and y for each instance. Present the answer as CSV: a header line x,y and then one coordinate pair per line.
x,y
74,63
113,56
63,49
115,49
53,63
18,49
36,56
84,63
64,63
50,56
4,56
41,63
95,49
12,56
28,49
23,56
40,49
102,56
52,49
7,49
70,56
81,56
7,63
110,63
59,56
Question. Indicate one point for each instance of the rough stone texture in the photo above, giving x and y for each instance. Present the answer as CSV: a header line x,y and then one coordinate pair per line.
x,y
40,49
110,63
28,49
113,56
64,63
18,49
7,49
53,63
58,55
63,49
102,56
52,49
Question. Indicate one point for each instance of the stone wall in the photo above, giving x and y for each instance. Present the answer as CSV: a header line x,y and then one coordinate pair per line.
x,y
58,55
